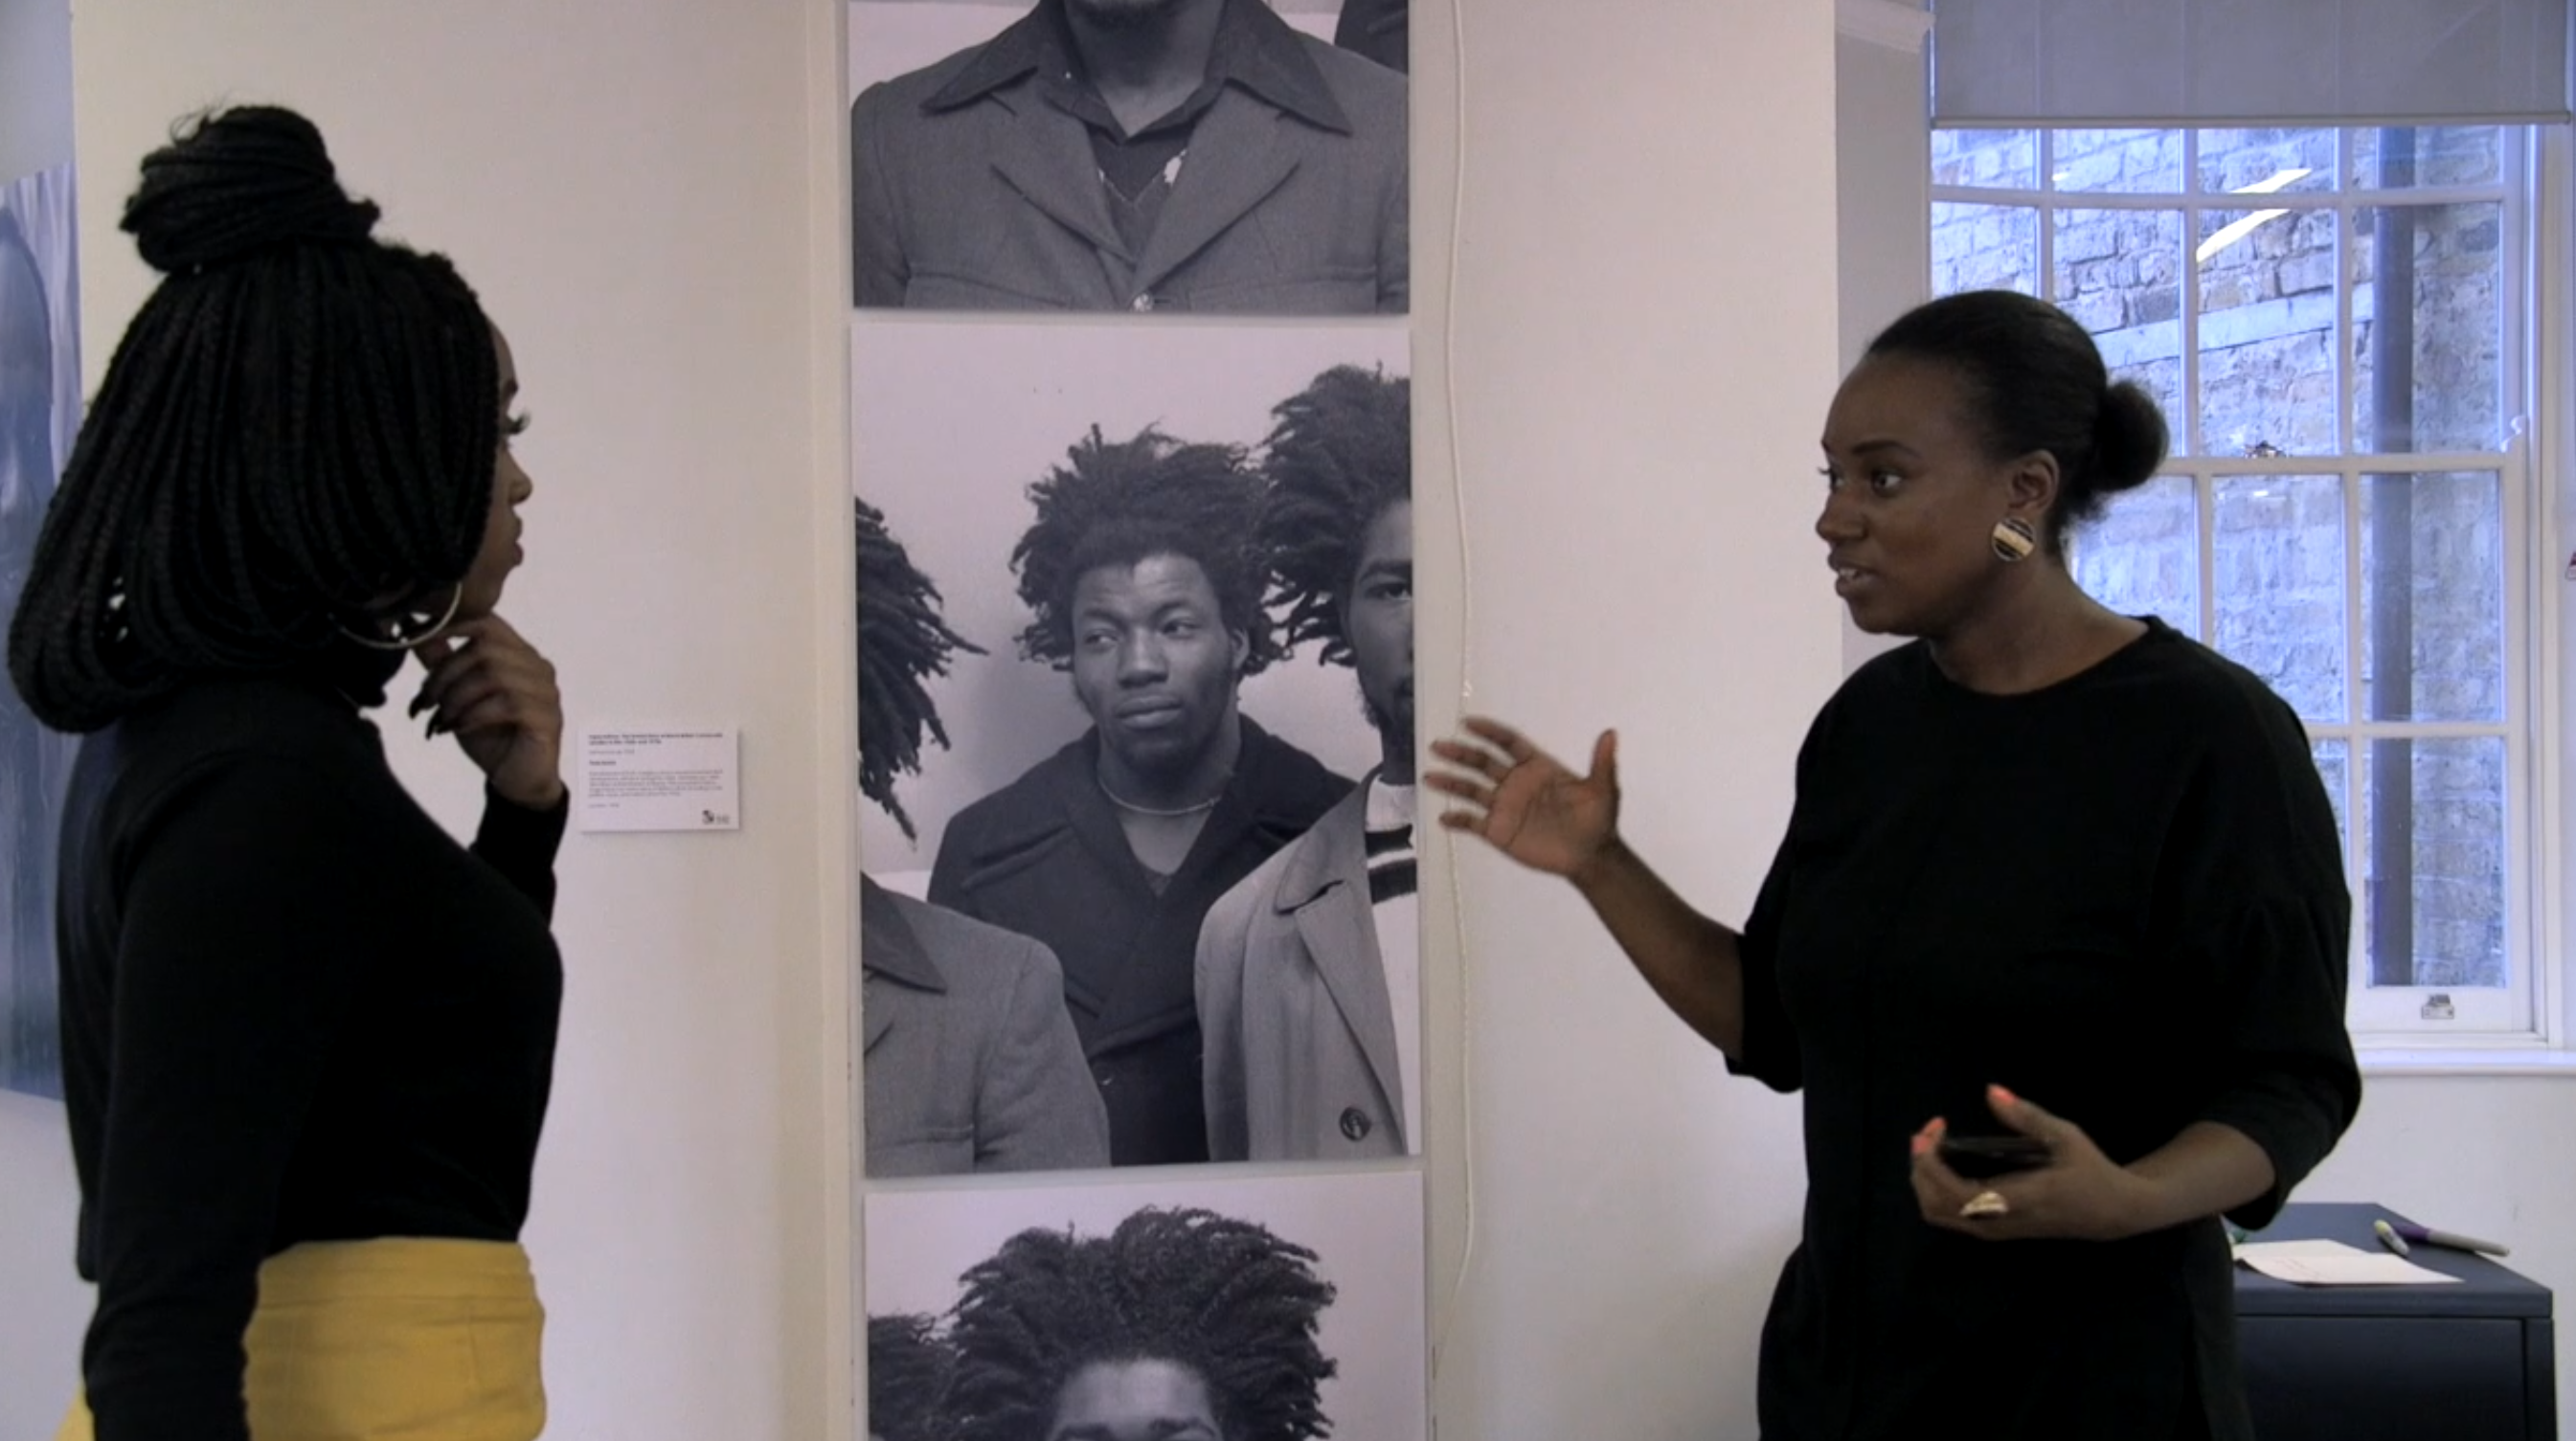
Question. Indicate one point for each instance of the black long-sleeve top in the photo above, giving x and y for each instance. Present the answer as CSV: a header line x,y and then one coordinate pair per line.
x,y
2121,896
293,1009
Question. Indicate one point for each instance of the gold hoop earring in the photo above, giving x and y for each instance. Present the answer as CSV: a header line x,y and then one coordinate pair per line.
x,y
395,637
2014,540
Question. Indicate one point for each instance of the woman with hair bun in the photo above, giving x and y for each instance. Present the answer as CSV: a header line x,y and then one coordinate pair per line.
x,y
2055,945
307,1037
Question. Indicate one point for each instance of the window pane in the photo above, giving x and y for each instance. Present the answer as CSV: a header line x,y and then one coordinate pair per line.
x,y
2266,162
2334,768
2267,352
2129,161
2428,328
2142,556
2119,273
1985,247
2407,157
2432,597
2434,872
2278,551
1987,159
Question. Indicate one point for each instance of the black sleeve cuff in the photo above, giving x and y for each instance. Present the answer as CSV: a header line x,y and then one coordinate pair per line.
x,y
521,843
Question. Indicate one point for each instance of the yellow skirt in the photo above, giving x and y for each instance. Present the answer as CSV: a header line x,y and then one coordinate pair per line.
x,y
390,1340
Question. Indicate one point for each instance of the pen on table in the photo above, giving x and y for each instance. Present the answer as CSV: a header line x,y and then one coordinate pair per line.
x,y
2388,1236
2426,1235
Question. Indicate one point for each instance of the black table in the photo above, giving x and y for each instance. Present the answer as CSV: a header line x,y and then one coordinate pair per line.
x,y
2471,1362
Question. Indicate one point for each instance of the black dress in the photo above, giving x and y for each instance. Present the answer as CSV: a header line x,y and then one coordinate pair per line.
x,y
2122,897
293,1010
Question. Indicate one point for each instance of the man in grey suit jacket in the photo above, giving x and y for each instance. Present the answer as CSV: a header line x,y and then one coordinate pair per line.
x,y
970,1061
1135,155
1309,970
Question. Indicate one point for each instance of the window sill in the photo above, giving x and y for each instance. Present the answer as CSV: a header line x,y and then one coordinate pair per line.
x,y
2393,1061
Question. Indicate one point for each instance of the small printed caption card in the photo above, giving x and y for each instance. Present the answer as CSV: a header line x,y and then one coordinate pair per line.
x,y
638,778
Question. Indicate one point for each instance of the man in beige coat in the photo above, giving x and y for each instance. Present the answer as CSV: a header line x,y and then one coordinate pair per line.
x,y
1308,971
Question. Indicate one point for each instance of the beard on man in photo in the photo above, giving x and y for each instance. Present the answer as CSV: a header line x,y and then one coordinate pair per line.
x,y
970,1062
1143,577
1136,155
1309,972
1179,1325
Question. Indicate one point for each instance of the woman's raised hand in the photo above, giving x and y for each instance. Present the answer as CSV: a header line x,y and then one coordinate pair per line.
x,y
1523,801
485,685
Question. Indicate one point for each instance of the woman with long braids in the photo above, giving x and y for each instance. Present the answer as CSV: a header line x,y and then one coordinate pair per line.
x,y
307,1036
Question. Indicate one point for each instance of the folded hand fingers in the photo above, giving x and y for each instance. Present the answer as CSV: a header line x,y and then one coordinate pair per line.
x,y
485,663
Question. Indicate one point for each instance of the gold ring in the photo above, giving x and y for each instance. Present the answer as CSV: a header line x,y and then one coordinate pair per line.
x,y
1985,1204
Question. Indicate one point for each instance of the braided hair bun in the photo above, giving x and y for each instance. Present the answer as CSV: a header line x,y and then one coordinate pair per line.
x,y
240,182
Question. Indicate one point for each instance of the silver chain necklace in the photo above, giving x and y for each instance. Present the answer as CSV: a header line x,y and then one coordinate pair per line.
x,y
1124,804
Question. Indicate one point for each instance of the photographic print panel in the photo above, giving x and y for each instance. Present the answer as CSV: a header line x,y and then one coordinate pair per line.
x,y
1072,538
1295,1300
989,172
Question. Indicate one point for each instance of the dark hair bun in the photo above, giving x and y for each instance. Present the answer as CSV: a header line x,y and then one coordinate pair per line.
x,y
241,182
2129,438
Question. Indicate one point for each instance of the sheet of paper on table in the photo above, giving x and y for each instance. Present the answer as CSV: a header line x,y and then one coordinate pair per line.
x,y
2332,1263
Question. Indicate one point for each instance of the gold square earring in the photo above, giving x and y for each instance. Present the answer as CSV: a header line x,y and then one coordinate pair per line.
x,y
2014,539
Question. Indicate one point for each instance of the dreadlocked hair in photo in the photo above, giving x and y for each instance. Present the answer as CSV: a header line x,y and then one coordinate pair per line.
x,y
296,435
903,642
1340,453
909,1362
1118,503
1223,1298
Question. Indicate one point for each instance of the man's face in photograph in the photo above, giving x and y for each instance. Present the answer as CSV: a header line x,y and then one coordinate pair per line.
x,y
1377,618
1153,661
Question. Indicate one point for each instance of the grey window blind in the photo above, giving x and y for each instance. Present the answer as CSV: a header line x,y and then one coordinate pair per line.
x,y
2248,62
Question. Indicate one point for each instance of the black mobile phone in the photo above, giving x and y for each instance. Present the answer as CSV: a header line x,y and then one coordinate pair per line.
x,y
1978,1158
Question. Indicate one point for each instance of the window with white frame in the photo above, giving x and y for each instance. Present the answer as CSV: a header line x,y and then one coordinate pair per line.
x,y
2337,322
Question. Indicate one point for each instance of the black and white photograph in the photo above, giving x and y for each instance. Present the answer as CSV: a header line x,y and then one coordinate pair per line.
x,y
1236,156
1137,726
39,413
1204,1309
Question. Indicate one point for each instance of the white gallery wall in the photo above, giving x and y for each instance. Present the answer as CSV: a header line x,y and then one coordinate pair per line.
x,y
1639,347
1626,308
